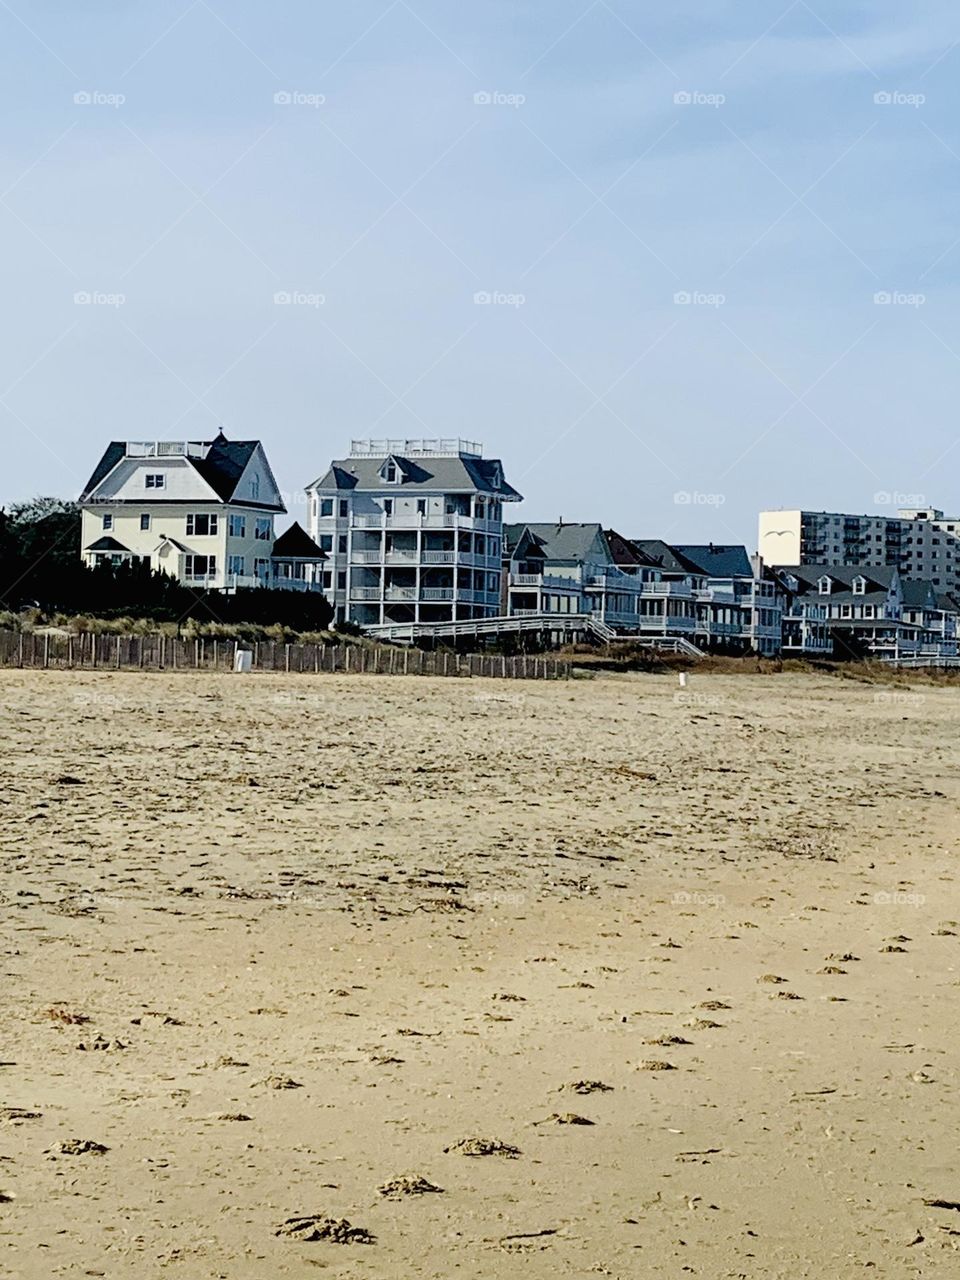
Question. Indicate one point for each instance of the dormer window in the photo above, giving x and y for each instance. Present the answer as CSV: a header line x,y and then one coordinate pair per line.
x,y
859,586
390,472
823,585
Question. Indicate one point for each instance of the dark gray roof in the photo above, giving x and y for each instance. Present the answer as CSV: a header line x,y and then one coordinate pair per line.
x,y
718,561
224,464
572,543
296,544
108,544
879,576
458,474
918,594
669,558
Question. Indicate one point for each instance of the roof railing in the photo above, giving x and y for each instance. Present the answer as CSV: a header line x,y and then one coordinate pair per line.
x,y
440,447
166,449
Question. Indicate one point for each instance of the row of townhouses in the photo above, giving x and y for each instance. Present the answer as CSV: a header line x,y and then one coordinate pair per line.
x,y
410,537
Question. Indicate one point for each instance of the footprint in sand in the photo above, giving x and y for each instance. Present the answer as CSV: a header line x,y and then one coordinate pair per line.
x,y
278,1082
408,1185
482,1147
318,1226
76,1147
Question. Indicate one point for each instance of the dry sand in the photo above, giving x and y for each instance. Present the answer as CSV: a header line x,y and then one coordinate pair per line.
x,y
277,943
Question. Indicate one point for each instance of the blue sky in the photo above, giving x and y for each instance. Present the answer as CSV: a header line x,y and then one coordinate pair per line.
x,y
682,215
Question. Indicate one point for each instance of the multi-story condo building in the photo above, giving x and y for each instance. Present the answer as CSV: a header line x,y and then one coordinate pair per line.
x,y
921,543
732,579
201,511
412,530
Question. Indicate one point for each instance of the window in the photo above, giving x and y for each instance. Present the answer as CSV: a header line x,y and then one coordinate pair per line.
x,y
200,566
823,585
237,565
326,507
342,581
342,544
859,586
261,568
325,542
238,526
107,521
255,487
390,473
263,529
344,508
155,480
202,526
325,579
388,506
144,523
421,506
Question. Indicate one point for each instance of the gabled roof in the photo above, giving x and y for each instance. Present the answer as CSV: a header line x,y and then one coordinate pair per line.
x,y
224,464
570,542
667,557
918,594
624,552
518,539
114,453
221,468
718,561
109,544
457,474
879,577
173,543
296,544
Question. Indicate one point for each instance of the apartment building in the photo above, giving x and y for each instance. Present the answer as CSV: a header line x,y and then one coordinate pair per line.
x,y
412,531
202,511
920,542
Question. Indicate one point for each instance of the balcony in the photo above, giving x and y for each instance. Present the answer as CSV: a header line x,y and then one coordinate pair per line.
x,y
454,520
683,590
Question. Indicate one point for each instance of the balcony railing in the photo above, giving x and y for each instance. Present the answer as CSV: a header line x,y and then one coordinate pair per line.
x,y
403,520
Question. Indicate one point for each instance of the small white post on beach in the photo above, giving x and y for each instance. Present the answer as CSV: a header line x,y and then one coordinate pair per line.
x,y
682,677
243,661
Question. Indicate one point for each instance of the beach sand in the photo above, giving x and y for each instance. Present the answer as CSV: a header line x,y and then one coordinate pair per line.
x,y
275,942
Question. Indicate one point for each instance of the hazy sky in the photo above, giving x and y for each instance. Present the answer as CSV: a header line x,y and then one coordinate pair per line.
x,y
779,166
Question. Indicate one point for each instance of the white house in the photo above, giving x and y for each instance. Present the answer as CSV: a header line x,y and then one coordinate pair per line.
x,y
412,530
201,511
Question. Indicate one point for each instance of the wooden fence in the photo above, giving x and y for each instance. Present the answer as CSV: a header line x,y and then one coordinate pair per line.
x,y
90,652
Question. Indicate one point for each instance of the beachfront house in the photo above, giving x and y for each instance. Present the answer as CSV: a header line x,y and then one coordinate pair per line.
x,y
201,511
877,609
412,530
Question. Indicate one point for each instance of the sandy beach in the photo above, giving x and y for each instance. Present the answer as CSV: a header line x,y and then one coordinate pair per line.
x,y
684,964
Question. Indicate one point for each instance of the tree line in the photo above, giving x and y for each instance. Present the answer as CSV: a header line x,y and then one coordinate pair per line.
x,y
41,568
